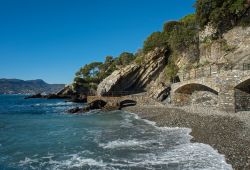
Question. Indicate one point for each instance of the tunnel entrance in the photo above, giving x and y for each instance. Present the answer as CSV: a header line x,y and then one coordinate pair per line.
x,y
242,96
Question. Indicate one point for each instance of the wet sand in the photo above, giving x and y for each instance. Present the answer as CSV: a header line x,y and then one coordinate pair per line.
x,y
229,133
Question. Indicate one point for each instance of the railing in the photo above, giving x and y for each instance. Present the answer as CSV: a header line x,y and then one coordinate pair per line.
x,y
209,71
117,93
246,66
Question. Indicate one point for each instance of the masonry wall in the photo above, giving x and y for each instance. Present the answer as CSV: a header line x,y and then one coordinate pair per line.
x,y
224,83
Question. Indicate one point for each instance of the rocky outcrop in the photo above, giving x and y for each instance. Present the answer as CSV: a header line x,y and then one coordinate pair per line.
x,y
78,98
95,105
119,80
233,48
66,91
136,77
160,91
35,96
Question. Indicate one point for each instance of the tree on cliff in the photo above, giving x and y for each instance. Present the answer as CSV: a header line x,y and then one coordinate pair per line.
x,y
222,14
177,37
90,75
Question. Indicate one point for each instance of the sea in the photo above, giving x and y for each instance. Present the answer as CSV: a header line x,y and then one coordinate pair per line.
x,y
37,134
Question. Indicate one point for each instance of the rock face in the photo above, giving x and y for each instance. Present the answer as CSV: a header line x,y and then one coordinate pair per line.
x,y
66,91
136,77
232,48
159,91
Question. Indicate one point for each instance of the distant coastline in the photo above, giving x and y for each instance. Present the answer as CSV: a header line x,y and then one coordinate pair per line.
x,y
17,86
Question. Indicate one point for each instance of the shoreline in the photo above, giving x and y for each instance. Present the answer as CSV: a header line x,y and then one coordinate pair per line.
x,y
229,133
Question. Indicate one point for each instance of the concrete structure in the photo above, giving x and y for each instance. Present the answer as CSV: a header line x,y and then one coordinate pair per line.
x,y
231,86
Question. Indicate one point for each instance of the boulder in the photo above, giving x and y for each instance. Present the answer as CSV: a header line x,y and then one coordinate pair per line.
x,y
74,110
78,110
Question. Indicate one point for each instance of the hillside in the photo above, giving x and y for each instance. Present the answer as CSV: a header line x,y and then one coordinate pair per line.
x,y
216,34
16,86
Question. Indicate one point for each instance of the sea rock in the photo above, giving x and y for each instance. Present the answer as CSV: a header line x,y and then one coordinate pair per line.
x,y
96,105
67,91
78,110
135,76
74,110
55,96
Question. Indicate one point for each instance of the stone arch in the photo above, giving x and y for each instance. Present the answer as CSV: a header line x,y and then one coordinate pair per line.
x,y
244,85
190,88
242,95
127,102
195,93
97,104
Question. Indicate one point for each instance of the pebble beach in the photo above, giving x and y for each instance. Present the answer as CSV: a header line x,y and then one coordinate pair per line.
x,y
229,133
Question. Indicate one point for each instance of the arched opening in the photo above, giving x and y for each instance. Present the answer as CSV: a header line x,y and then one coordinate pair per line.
x,y
190,88
242,96
126,103
97,104
196,94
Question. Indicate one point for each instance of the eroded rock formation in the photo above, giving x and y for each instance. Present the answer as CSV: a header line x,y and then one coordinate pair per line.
x,y
136,77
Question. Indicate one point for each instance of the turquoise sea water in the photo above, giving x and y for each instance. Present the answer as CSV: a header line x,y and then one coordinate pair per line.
x,y
37,134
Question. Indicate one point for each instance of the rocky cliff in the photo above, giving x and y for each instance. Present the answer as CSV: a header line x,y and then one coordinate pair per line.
x,y
233,47
136,76
149,75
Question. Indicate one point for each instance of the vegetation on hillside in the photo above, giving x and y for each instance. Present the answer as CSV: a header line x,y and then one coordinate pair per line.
x,y
222,14
177,37
90,75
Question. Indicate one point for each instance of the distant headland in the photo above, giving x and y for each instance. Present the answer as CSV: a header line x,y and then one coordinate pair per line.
x,y
17,86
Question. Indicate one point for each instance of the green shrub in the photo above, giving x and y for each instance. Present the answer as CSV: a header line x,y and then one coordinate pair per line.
x,y
154,40
171,70
139,60
222,14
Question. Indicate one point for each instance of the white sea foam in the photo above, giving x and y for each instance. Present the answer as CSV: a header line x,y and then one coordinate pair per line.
x,y
193,156
124,143
76,162
197,153
54,104
28,161
180,155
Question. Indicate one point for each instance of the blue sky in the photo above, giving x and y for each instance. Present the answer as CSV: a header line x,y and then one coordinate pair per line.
x,y
52,39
